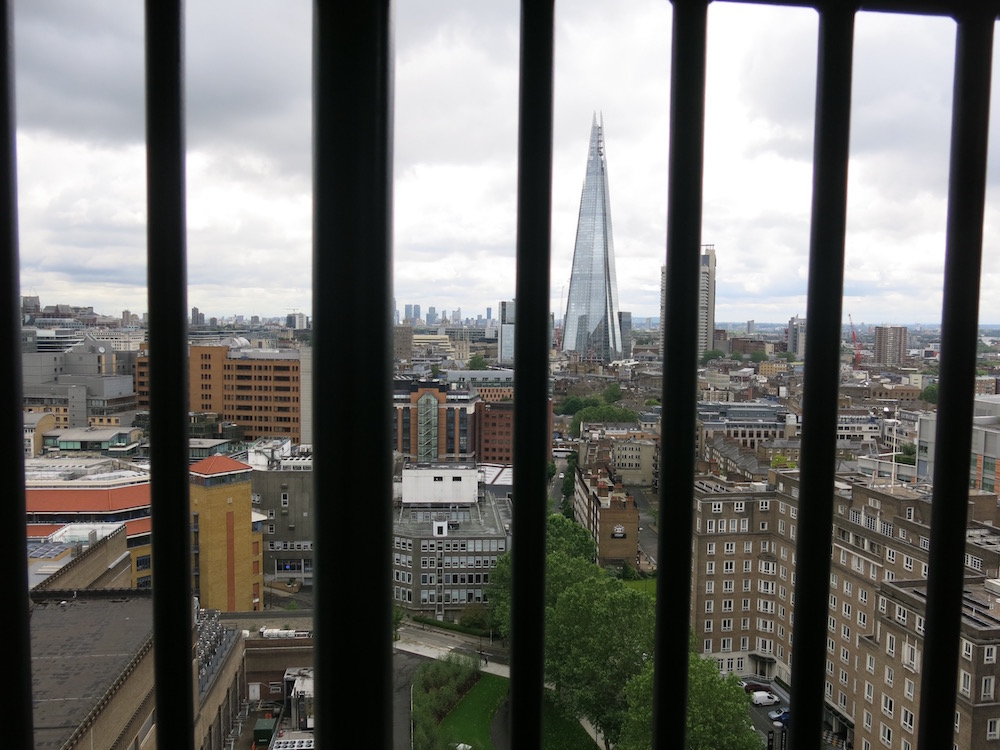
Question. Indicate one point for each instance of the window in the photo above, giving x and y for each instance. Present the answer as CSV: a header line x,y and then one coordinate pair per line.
x,y
988,683
886,735
993,729
887,705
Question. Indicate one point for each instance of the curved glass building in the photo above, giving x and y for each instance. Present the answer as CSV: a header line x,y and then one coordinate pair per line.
x,y
591,327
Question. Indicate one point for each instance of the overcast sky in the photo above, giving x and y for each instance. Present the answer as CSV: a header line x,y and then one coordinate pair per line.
x,y
79,67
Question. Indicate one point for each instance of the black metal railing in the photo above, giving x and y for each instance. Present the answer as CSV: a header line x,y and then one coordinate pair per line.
x,y
352,270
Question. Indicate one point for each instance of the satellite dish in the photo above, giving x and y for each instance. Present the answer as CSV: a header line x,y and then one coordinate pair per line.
x,y
100,349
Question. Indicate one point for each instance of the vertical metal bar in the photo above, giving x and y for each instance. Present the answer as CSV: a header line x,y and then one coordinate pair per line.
x,y
173,609
960,325
531,371
821,381
14,507
352,270
680,351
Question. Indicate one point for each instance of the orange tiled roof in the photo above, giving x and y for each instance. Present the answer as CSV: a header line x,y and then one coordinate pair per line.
x,y
96,500
138,526
218,464
43,530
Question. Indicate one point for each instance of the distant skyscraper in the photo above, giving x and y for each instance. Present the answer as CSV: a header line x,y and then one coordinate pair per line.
x,y
706,302
591,327
431,315
890,345
795,337
416,313
408,313
505,333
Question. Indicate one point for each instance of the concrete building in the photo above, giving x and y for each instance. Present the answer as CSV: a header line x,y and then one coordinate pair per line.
x,y
795,337
36,424
448,533
706,302
282,493
985,456
99,692
634,460
227,544
104,493
119,442
748,423
505,333
890,345
86,384
402,345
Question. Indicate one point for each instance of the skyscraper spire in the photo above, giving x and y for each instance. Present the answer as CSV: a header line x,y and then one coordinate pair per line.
x,y
591,327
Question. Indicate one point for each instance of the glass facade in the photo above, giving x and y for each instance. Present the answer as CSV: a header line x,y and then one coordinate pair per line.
x,y
592,328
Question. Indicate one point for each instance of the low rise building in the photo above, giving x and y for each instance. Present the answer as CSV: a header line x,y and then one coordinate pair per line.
x,y
448,533
609,514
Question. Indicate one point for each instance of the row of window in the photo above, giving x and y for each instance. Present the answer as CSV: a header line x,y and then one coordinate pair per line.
x,y
766,567
431,579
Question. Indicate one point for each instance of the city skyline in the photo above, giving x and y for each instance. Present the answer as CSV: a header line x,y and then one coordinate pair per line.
x,y
82,181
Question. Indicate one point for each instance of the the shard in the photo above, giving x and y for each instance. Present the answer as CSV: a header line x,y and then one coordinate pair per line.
x,y
591,327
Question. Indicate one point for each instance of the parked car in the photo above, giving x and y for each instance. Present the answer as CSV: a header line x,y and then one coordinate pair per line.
x,y
779,714
764,698
752,687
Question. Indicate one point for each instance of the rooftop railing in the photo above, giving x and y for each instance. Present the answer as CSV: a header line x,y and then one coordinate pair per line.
x,y
352,269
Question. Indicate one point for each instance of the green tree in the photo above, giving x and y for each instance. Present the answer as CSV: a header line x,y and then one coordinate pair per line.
x,y
477,362
930,394
612,393
569,557
499,593
758,355
598,636
652,402
568,538
606,413
550,471
718,716
572,404
398,613
712,354
570,474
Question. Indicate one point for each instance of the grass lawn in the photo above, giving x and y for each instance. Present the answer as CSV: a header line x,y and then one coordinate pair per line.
x,y
470,720
646,585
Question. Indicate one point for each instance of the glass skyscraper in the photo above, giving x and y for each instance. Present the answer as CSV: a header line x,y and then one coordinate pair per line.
x,y
592,328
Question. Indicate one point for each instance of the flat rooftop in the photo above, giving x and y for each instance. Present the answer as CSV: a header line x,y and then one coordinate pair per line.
x,y
78,648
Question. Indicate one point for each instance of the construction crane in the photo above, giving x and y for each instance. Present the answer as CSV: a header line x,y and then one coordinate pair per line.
x,y
857,346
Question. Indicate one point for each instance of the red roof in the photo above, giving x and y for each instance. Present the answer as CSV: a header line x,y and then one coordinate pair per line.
x,y
97,500
139,526
219,464
43,530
